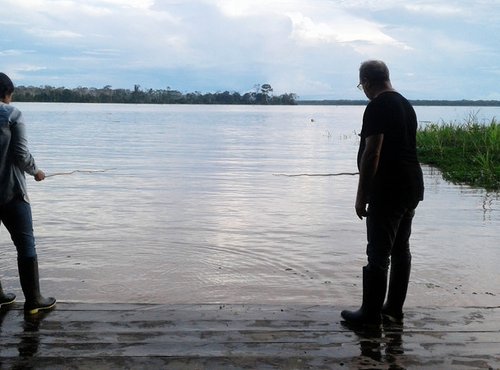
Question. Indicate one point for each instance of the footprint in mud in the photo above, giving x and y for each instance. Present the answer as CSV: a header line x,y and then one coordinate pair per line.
x,y
432,286
306,274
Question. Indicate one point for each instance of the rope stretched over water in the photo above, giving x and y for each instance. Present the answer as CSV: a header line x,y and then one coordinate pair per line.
x,y
75,171
317,174
274,174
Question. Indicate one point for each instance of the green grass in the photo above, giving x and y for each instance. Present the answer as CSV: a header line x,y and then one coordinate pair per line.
x,y
466,153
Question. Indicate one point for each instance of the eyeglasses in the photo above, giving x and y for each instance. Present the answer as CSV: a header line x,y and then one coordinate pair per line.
x,y
360,86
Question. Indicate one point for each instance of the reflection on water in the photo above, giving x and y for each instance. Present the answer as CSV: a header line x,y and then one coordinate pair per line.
x,y
26,343
191,211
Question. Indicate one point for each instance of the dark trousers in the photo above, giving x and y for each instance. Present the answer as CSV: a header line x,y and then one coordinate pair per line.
x,y
17,218
388,232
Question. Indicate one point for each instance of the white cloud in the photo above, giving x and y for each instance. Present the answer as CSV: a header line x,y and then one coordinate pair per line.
x,y
137,4
19,72
435,9
302,46
312,21
235,8
450,45
29,68
344,29
14,52
251,8
54,34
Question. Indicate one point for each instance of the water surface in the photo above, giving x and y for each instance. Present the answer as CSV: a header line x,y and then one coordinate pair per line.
x,y
188,208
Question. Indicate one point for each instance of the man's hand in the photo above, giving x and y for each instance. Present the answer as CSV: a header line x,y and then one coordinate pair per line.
x,y
360,207
40,175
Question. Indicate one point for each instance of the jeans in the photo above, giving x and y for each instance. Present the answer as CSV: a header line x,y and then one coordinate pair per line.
x,y
17,218
388,229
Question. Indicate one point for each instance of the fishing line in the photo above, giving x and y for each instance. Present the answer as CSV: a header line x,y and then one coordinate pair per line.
x,y
75,171
274,174
317,174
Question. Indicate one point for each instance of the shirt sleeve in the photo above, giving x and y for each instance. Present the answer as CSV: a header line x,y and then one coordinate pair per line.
x,y
19,144
373,120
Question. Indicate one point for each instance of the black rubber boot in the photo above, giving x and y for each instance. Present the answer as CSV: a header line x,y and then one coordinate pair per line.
x,y
392,310
28,274
6,298
374,288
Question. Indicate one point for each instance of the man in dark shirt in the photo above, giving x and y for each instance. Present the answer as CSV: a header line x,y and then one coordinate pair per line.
x,y
390,188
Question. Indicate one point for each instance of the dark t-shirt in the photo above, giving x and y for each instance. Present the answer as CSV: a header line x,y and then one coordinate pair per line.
x,y
399,176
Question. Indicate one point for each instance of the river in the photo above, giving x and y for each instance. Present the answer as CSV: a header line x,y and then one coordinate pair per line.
x,y
188,204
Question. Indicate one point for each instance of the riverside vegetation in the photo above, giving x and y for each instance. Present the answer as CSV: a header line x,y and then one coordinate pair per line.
x,y
260,95
467,153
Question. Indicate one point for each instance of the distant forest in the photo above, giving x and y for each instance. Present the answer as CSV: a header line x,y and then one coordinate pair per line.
x,y
261,95
463,103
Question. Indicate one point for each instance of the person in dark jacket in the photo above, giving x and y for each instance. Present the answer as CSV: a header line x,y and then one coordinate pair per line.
x,y
15,209
389,189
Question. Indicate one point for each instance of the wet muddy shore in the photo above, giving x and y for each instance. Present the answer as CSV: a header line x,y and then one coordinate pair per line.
x,y
230,336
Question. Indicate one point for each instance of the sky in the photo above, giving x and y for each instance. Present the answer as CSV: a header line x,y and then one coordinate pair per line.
x,y
447,49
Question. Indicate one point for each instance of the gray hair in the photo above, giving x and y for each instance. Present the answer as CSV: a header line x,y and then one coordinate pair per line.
x,y
374,71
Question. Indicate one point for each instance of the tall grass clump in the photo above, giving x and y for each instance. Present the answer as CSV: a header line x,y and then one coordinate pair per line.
x,y
467,152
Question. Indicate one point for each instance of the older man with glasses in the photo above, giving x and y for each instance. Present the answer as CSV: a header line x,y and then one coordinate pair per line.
x,y
389,189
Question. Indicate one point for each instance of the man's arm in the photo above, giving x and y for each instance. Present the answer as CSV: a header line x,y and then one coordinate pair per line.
x,y
19,145
367,170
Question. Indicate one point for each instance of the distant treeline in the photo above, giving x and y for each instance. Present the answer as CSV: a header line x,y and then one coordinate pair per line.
x,y
463,103
262,94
